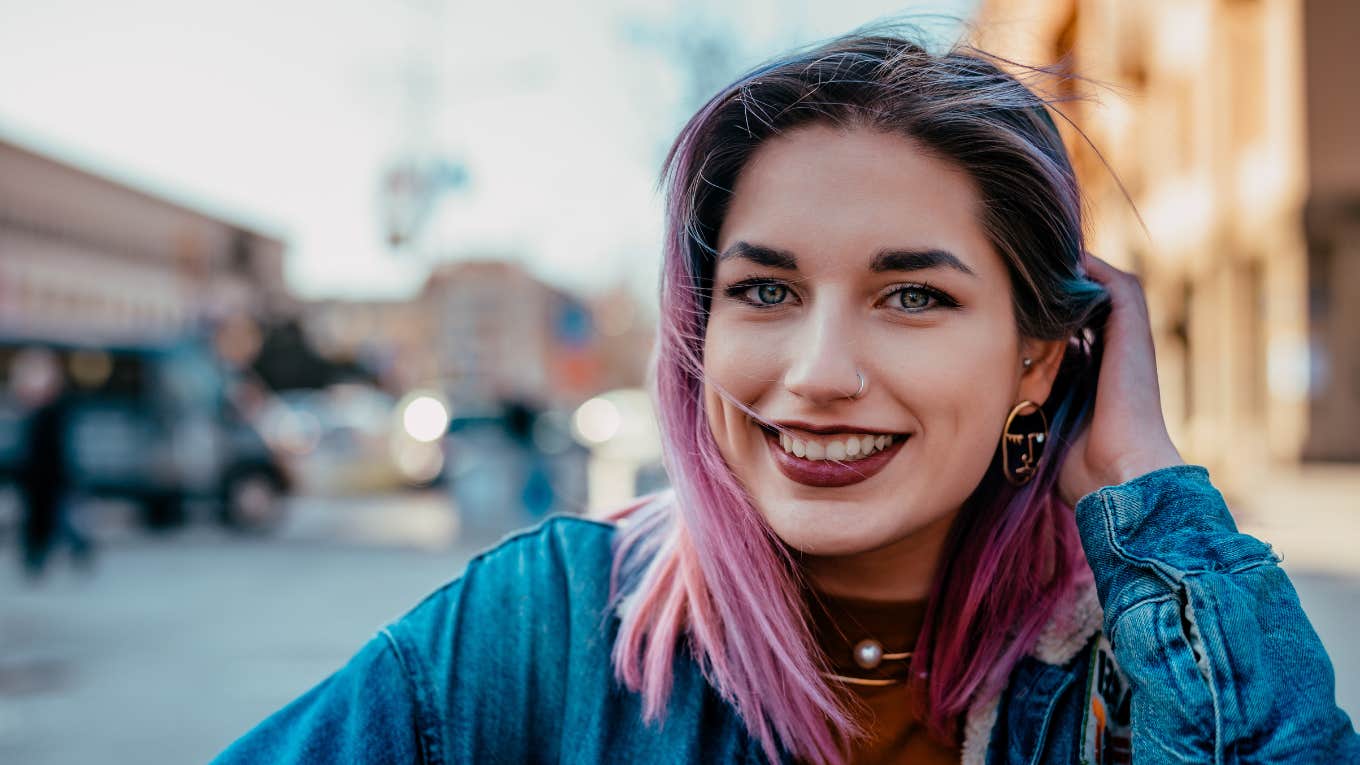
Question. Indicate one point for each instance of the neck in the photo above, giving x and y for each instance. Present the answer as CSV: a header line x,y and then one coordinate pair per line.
x,y
901,570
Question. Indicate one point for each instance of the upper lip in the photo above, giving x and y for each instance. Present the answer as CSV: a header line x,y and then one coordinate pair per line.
x,y
834,427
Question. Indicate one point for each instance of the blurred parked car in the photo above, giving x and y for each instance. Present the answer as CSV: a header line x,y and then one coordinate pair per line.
x,y
349,438
154,424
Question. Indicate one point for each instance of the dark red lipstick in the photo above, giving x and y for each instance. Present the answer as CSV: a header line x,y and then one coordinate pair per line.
x,y
832,473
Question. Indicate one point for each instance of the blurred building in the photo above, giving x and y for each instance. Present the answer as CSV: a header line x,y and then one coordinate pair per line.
x,y
487,331
1232,126
627,335
391,338
88,259
501,334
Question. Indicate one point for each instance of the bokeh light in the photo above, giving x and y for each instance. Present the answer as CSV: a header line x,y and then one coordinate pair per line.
x,y
597,421
424,417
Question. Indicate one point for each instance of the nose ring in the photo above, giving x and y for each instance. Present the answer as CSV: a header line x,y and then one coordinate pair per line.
x,y
863,383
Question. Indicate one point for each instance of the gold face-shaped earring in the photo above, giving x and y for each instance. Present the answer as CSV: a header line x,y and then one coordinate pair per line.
x,y
1021,452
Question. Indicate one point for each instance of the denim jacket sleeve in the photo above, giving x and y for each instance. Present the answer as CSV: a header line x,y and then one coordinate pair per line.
x,y
365,712
1223,664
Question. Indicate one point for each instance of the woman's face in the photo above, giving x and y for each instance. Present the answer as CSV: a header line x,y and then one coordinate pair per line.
x,y
847,250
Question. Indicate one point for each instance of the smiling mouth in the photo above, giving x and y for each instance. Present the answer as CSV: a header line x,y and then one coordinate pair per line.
x,y
848,448
832,460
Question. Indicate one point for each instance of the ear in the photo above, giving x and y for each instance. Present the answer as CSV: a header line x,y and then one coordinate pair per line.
x,y
1037,381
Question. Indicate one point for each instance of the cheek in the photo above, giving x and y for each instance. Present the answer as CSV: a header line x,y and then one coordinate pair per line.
x,y
738,359
955,381
731,361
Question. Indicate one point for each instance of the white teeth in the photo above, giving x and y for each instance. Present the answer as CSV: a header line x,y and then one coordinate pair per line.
x,y
847,449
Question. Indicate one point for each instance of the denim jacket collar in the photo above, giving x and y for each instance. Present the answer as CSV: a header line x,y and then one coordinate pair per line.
x,y
1069,630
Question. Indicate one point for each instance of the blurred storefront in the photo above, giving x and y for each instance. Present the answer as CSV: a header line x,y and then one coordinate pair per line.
x,y
84,258
1225,123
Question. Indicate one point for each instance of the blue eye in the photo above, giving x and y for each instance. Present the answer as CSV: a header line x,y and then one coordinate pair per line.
x,y
770,294
918,298
759,293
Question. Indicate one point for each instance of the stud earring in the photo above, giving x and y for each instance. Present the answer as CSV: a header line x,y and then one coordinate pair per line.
x,y
1027,363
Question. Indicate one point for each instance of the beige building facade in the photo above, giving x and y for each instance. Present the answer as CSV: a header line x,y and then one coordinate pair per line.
x,y
1232,126
487,330
87,259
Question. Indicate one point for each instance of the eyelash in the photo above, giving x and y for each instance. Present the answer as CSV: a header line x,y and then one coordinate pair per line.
x,y
738,292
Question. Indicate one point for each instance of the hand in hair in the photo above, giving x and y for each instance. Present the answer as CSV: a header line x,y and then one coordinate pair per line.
x,y
1126,436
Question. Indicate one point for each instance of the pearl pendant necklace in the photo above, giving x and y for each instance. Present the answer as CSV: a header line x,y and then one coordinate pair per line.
x,y
869,654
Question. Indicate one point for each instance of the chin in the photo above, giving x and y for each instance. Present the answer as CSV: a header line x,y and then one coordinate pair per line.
x,y
823,528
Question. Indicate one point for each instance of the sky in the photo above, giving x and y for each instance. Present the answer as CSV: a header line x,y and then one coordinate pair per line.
x,y
284,116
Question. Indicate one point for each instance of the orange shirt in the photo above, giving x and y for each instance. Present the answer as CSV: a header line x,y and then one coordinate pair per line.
x,y
896,735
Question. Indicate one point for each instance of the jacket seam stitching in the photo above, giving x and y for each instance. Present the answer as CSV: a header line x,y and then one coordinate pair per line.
x,y
1250,565
1151,600
1207,671
429,743
561,562
1177,588
1166,573
538,530
1066,683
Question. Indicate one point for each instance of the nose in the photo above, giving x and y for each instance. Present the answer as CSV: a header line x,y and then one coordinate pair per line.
x,y
822,366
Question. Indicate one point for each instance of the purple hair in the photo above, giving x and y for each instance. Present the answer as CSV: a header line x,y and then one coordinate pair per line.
x,y
699,569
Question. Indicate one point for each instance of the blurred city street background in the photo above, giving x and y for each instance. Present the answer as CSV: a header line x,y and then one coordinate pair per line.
x,y
315,301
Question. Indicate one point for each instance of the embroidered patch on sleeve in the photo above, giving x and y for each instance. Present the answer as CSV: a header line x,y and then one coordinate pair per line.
x,y
1106,724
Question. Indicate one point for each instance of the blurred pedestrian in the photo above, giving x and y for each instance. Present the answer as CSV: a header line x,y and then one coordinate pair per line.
x,y
44,475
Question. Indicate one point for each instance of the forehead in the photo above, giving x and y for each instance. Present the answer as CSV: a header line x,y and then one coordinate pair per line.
x,y
834,197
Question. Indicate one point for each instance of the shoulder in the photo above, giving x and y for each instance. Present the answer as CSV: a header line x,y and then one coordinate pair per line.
x,y
562,546
561,557
543,572
527,596
498,656
495,655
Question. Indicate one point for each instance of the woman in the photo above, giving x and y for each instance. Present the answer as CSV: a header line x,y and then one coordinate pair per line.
x,y
876,373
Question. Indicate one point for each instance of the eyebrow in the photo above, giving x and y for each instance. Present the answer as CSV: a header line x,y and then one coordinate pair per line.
x,y
883,260
916,260
763,256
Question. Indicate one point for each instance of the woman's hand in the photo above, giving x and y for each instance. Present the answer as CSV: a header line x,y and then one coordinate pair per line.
x,y
1126,435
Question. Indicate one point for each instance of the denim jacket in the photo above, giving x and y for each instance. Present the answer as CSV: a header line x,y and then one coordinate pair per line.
x,y
1200,653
